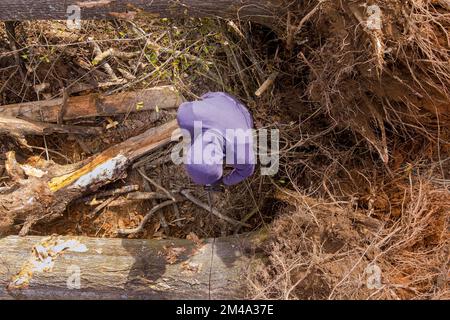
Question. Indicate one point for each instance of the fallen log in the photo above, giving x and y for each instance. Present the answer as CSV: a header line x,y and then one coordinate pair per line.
x,y
94,105
108,9
44,189
90,268
18,129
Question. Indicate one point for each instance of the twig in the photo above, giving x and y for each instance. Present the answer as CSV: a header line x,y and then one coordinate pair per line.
x,y
308,16
246,218
138,196
267,84
150,163
11,34
293,32
156,70
147,196
5,189
197,202
157,47
119,191
146,219
239,70
63,110
127,75
168,193
113,52
162,219
54,152
99,208
111,193
98,52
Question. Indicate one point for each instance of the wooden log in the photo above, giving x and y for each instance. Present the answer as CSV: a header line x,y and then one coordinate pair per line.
x,y
93,105
105,9
47,188
90,268
18,128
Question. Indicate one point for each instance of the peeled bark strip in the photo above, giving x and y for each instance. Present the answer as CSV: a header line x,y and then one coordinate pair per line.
x,y
58,10
123,268
93,105
49,188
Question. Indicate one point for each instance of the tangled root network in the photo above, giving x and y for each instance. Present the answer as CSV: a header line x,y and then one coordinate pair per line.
x,y
366,216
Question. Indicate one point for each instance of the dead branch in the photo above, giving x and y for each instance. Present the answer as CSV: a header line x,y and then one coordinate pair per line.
x,y
146,218
137,196
25,127
267,84
99,57
96,212
49,188
118,192
147,196
168,193
18,129
94,105
197,202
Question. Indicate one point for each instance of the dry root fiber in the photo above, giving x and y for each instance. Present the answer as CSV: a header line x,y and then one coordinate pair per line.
x,y
321,250
381,69
380,66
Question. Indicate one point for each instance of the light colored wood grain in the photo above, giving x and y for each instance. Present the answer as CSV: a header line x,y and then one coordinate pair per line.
x,y
133,269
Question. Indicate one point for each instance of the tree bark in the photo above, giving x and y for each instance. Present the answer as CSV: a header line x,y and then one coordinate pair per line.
x,y
125,269
105,9
18,129
43,190
94,105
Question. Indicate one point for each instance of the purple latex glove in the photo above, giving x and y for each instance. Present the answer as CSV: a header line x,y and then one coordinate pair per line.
x,y
212,123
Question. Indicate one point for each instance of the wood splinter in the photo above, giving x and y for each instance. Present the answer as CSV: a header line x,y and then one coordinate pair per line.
x,y
267,84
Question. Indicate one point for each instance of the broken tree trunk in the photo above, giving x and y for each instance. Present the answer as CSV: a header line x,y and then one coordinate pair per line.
x,y
93,105
43,189
107,9
18,129
89,268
